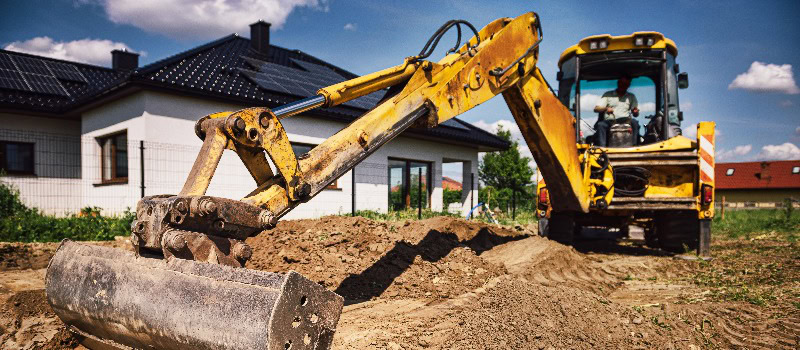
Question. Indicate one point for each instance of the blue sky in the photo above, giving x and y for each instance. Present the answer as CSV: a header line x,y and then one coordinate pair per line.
x,y
758,117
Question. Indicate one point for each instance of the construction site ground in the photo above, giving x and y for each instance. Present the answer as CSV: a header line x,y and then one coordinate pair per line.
x,y
446,283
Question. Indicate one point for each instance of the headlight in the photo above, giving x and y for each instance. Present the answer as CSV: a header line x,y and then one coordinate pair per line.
x,y
644,41
598,44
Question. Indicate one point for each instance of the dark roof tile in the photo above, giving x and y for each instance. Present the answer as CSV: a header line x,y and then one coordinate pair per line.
x,y
229,69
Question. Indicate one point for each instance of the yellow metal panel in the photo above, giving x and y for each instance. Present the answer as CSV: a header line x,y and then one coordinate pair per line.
x,y
621,42
549,131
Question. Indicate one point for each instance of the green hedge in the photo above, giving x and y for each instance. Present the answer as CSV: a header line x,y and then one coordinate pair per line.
x,y
19,223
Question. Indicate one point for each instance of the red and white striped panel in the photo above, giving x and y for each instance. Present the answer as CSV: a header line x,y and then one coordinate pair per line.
x,y
706,158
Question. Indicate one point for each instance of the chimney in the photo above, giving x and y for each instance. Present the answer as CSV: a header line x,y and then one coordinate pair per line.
x,y
259,37
124,60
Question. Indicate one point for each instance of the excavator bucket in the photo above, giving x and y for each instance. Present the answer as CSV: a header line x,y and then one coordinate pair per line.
x,y
113,299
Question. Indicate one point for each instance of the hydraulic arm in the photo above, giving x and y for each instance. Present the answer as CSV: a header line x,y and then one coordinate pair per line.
x,y
180,229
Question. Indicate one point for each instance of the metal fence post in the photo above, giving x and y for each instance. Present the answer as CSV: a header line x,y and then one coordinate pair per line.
x,y
141,164
471,189
514,200
353,185
419,196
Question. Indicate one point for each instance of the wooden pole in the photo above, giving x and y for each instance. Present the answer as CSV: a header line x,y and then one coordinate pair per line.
x,y
722,211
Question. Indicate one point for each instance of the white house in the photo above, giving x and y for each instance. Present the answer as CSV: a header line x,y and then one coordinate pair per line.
x,y
74,135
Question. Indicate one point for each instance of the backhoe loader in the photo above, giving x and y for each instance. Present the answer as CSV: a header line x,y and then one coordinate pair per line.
x,y
185,285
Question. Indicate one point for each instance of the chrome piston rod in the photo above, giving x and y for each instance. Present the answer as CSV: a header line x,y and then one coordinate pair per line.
x,y
298,107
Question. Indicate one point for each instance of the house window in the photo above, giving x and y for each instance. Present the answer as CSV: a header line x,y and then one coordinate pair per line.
x,y
16,158
114,158
796,170
303,148
404,184
729,172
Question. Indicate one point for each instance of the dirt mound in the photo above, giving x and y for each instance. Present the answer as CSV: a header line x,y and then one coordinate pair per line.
x,y
17,256
363,259
517,314
447,283
28,322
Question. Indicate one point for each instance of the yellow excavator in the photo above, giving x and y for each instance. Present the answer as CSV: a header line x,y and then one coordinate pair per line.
x,y
185,285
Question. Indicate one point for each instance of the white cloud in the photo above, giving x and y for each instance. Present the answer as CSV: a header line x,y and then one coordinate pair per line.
x,y
786,151
690,131
686,106
351,27
94,51
516,135
735,154
787,103
647,107
767,78
202,19
588,102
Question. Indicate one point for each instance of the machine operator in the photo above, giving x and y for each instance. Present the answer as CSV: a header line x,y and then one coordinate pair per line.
x,y
617,107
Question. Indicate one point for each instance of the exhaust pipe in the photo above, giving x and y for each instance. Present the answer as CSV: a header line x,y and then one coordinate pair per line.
x,y
112,299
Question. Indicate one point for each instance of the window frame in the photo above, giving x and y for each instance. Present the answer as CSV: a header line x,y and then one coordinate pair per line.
x,y
333,185
795,170
113,178
4,160
407,180
730,171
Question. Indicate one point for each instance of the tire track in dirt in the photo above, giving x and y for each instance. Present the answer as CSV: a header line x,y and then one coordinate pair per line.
x,y
745,326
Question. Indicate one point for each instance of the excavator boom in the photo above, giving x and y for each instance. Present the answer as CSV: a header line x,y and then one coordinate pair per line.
x,y
185,285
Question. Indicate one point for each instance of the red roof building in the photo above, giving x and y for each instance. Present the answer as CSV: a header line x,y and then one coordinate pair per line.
x,y
758,181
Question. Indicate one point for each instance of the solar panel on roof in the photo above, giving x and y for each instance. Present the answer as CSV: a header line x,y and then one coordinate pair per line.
x,y
67,72
6,63
455,124
31,65
316,68
11,79
46,84
301,82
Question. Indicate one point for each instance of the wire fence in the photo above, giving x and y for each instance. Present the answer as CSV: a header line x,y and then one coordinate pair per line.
x,y
60,174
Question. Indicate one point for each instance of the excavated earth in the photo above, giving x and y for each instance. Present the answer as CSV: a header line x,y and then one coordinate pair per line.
x,y
446,283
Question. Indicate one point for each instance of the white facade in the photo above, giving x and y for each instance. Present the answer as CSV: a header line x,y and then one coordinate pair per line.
x,y
164,125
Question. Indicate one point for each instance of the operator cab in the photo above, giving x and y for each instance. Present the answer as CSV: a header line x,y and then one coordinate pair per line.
x,y
593,67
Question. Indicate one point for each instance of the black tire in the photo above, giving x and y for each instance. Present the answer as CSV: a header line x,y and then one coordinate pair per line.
x,y
544,227
650,236
562,228
678,232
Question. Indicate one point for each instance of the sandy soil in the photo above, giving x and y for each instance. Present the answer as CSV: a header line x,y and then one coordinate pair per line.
x,y
446,283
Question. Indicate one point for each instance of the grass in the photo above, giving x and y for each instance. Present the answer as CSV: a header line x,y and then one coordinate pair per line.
x,y
18,223
755,259
522,218
751,223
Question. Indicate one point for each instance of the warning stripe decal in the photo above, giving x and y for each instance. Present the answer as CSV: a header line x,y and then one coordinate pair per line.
x,y
706,153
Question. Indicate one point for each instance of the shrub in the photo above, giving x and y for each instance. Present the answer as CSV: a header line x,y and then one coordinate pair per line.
x,y
21,224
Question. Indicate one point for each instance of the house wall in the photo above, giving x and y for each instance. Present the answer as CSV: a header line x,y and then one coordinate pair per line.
x,y
55,186
165,124
757,195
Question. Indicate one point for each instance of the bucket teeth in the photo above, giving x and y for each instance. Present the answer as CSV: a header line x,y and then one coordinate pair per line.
x,y
115,300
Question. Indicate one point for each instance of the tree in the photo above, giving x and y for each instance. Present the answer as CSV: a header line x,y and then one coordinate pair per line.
x,y
505,169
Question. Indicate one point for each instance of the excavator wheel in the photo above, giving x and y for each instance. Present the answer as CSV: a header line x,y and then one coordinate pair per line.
x,y
562,228
678,232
